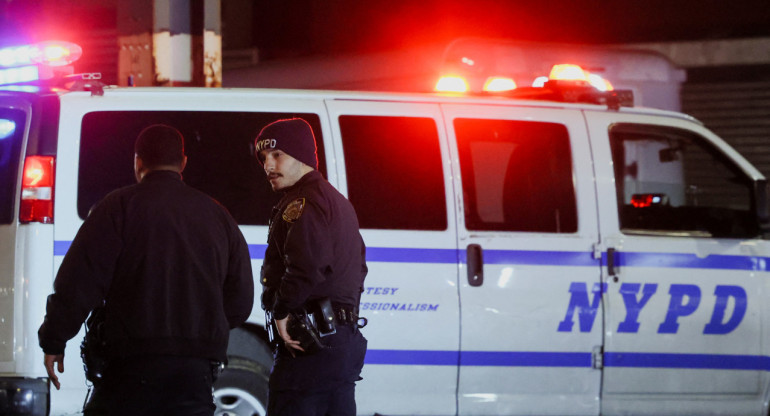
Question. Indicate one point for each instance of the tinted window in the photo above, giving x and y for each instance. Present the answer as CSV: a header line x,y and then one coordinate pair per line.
x,y
220,156
395,178
12,125
516,175
672,181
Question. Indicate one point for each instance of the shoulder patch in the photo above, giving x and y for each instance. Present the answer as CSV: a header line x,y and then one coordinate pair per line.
x,y
294,210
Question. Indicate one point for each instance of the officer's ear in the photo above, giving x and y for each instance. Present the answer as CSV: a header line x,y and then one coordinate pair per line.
x,y
183,164
138,167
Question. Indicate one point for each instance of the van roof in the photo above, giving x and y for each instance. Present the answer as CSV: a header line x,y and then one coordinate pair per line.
x,y
433,98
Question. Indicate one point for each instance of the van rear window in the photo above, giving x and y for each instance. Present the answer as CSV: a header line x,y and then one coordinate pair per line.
x,y
12,126
219,148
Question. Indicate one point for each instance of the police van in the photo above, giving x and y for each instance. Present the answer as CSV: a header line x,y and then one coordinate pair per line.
x,y
548,251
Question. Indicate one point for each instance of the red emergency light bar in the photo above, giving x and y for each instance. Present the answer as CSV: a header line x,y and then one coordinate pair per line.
x,y
566,83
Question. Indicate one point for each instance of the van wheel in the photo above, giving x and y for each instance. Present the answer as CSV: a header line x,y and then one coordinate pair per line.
x,y
241,390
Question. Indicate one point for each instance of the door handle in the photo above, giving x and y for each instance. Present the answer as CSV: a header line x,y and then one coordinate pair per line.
x,y
611,264
475,259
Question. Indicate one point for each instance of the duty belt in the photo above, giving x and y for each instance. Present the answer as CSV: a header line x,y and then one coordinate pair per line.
x,y
346,315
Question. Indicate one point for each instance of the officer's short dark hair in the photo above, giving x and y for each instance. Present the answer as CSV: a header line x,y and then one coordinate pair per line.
x,y
160,145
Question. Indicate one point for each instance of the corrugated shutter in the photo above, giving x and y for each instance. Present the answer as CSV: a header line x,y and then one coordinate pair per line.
x,y
739,112
100,54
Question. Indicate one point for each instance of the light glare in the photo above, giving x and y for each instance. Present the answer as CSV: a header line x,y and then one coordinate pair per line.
x,y
7,128
499,84
568,72
20,74
452,84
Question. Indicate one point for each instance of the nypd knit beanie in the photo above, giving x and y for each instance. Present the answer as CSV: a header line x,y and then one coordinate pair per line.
x,y
294,136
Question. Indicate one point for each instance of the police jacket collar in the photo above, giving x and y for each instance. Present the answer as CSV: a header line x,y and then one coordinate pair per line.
x,y
157,175
309,177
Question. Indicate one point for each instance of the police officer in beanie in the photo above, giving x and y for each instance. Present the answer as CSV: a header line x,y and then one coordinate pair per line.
x,y
170,271
315,256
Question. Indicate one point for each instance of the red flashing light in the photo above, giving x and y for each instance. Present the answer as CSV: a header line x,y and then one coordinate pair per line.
x,y
56,53
499,84
568,72
37,187
452,83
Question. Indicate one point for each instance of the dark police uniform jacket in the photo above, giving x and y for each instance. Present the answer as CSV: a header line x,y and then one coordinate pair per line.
x,y
314,249
170,265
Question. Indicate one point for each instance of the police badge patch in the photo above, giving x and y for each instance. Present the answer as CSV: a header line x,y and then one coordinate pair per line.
x,y
294,210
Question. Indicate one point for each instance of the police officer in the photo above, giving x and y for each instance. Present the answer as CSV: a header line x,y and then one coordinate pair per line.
x,y
315,253
173,273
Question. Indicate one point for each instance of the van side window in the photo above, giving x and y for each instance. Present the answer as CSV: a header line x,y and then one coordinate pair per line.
x,y
671,181
220,156
516,176
395,178
12,126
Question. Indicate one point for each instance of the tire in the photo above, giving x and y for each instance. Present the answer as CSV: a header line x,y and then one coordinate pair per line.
x,y
241,390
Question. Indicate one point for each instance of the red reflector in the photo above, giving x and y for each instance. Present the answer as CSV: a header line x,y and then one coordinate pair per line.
x,y
37,187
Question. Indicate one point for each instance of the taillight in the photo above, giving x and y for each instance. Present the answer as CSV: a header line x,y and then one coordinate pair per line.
x,y
37,186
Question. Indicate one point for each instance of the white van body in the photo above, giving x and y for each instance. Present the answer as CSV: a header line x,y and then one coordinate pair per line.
x,y
605,277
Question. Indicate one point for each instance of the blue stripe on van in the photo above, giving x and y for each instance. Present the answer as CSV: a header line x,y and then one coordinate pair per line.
x,y
60,248
525,359
691,261
535,258
689,361
568,359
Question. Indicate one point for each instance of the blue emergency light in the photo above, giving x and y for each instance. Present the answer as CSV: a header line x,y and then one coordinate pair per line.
x,y
40,61
7,128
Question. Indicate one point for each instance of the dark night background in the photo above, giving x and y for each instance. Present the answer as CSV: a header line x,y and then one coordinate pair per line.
x,y
312,27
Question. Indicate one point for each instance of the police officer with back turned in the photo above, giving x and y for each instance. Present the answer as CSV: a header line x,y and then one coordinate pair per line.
x,y
173,273
312,278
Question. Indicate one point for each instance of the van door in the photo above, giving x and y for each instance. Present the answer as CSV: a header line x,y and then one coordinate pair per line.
x,y
529,282
14,119
393,169
686,287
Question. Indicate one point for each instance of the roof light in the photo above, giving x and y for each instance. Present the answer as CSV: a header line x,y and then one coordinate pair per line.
x,y
539,82
568,72
598,82
7,128
499,84
19,74
52,53
16,56
37,186
452,83
56,53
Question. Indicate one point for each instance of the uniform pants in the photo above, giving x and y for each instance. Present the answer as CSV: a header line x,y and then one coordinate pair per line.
x,y
154,385
320,384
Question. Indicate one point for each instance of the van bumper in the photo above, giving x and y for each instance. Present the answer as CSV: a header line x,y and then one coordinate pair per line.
x,y
24,396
